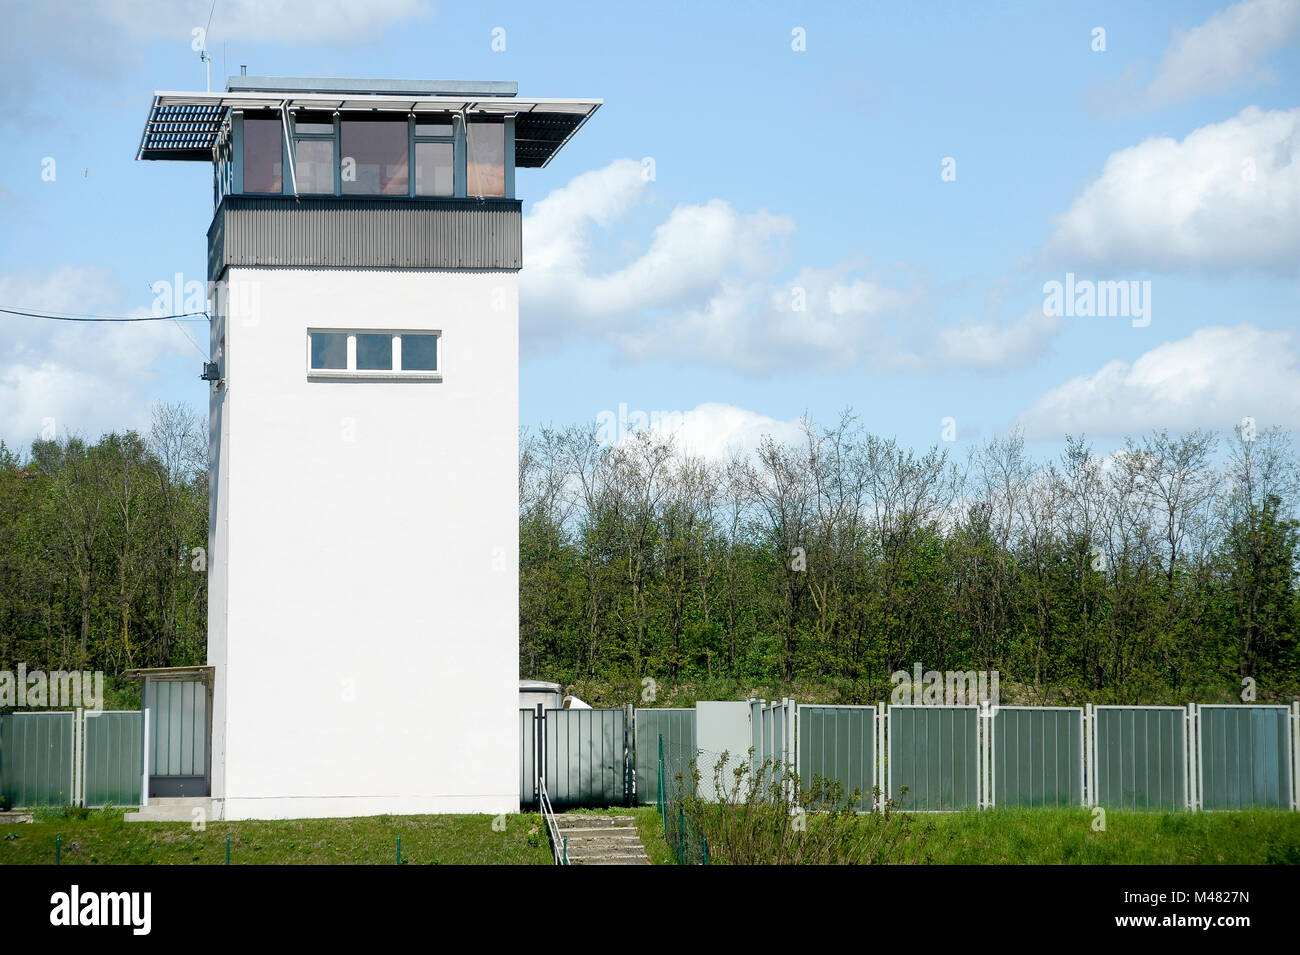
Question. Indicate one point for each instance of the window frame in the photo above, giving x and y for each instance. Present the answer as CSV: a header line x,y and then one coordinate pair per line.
x,y
298,136
450,139
352,373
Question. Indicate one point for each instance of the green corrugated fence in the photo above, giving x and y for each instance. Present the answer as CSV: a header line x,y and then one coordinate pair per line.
x,y
838,744
934,757
1139,756
37,757
114,741
1037,756
1245,757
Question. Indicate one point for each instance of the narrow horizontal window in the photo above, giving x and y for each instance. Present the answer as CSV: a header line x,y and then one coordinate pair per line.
x,y
433,125
335,353
313,122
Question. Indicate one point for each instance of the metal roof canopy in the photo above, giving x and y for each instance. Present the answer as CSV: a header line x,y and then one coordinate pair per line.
x,y
184,126
204,674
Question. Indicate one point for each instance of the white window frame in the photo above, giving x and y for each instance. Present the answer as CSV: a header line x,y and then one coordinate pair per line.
x,y
353,373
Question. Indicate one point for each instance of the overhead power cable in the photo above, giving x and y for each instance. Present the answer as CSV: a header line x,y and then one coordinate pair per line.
x,y
68,317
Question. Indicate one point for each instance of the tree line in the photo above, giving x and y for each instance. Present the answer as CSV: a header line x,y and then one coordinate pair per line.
x,y
1166,571
103,549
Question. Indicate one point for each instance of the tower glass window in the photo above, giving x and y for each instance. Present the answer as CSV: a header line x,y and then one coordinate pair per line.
x,y
313,166
375,157
486,158
435,171
263,167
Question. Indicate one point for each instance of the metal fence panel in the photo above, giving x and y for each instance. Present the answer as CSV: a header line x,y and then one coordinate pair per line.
x,y
36,754
1245,757
1141,756
934,757
114,758
1038,756
838,744
178,730
585,755
527,757
678,729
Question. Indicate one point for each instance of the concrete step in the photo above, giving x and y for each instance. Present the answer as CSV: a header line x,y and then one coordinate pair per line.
x,y
173,809
602,840
584,821
620,860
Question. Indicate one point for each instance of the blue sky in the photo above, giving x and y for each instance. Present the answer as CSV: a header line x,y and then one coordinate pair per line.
x,y
1171,157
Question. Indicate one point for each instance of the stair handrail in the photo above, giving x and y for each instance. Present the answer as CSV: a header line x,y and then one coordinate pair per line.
x,y
559,845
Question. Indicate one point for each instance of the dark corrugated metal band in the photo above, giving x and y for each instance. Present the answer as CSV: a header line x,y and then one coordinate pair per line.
x,y
361,233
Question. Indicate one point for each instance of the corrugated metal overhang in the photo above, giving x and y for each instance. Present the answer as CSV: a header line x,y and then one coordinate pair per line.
x,y
297,232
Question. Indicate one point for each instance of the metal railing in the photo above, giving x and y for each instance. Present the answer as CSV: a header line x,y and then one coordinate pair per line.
x,y
559,844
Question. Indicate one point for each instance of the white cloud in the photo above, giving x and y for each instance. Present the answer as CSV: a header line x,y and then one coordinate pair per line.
x,y
1227,196
88,378
706,289
989,346
1225,51
263,21
711,430
48,45
1212,378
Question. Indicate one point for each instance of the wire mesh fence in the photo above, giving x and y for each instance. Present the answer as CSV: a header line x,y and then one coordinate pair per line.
x,y
677,778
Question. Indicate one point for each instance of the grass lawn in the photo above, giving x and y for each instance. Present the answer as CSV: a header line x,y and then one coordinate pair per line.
x,y
104,839
999,836
1054,836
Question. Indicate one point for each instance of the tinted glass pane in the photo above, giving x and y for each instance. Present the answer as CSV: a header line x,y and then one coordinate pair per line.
x,y
375,158
313,122
419,352
487,159
262,154
374,352
314,166
433,126
329,350
433,169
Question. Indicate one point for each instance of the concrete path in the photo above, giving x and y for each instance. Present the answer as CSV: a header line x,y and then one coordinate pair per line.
x,y
601,840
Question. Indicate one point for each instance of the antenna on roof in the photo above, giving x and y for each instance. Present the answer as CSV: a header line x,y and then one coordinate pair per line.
x,y
203,45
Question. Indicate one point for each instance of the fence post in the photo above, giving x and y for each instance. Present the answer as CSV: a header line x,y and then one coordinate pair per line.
x,y
882,778
58,850
227,850
144,781
1295,754
399,850
539,752
663,814
1193,784
1090,763
629,754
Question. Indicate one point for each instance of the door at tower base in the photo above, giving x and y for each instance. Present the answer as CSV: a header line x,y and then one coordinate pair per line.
x,y
364,572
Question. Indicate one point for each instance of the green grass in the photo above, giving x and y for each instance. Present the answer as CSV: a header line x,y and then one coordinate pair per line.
x,y
104,839
1055,836
1000,836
